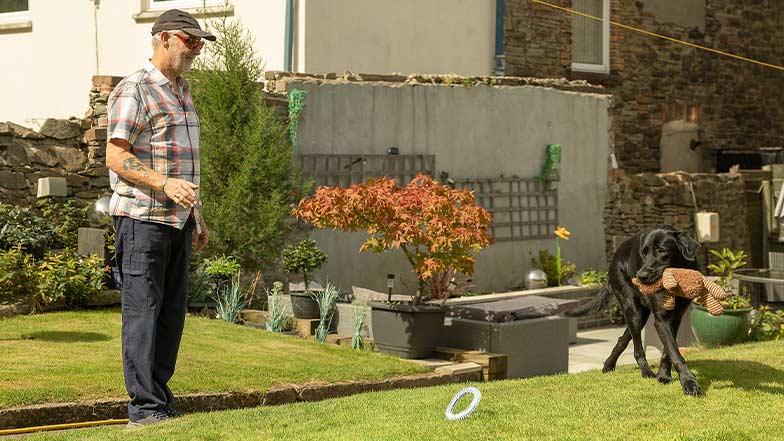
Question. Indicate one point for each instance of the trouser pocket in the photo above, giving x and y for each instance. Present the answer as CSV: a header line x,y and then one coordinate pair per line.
x,y
136,286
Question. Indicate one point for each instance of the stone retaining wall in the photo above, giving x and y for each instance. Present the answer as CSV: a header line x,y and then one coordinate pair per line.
x,y
640,201
73,149
57,150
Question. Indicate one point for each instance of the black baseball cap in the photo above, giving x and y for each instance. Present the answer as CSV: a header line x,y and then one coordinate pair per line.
x,y
177,20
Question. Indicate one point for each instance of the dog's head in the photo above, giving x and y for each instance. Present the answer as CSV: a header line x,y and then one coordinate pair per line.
x,y
665,247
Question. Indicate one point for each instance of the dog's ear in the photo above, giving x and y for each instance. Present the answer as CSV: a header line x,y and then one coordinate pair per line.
x,y
642,245
687,245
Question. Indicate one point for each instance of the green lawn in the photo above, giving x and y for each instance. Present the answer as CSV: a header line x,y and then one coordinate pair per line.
x,y
75,356
743,400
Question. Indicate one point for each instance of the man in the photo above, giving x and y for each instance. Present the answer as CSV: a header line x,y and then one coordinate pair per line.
x,y
153,158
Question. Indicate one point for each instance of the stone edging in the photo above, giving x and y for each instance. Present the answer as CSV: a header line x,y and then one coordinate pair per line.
x,y
61,413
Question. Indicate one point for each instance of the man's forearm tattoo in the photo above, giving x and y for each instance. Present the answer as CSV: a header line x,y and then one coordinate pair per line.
x,y
135,165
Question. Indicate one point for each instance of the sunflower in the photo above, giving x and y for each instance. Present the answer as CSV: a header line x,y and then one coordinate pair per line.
x,y
562,232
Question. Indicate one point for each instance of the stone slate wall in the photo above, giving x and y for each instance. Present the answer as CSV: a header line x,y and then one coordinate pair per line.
x,y
73,149
538,39
57,150
640,201
737,104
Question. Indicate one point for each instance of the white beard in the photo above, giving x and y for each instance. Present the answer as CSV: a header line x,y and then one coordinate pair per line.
x,y
182,64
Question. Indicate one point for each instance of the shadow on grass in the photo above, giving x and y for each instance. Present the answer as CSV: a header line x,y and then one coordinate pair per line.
x,y
66,336
748,375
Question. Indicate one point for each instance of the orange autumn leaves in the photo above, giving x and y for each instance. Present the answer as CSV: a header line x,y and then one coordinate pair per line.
x,y
437,227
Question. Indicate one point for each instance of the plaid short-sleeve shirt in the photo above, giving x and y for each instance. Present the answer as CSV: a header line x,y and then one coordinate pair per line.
x,y
162,127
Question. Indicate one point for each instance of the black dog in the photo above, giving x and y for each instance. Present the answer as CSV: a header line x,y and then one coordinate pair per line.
x,y
645,256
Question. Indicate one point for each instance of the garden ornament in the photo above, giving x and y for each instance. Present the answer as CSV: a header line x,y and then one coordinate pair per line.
x,y
471,407
686,283
535,279
98,213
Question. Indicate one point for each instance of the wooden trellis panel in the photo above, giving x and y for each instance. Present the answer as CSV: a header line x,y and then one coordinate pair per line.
x,y
347,169
522,208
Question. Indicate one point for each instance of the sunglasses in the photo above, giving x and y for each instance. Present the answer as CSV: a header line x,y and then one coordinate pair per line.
x,y
190,42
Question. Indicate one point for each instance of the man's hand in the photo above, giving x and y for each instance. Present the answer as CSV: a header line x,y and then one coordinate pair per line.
x,y
182,192
200,239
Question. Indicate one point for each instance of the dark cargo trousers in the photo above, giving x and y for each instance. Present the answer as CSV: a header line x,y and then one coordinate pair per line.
x,y
153,262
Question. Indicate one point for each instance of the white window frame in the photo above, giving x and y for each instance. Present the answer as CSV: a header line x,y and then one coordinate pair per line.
x,y
15,17
603,68
155,5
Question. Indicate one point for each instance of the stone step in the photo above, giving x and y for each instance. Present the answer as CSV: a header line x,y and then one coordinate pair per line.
x,y
306,327
255,316
460,369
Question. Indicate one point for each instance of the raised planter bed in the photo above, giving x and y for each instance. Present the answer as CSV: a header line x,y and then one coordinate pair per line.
x,y
536,346
345,315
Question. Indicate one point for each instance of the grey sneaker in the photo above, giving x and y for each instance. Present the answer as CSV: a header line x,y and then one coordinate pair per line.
x,y
154,418
172,412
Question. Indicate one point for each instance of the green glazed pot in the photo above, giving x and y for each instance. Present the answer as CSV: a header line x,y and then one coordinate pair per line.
x,y
726,329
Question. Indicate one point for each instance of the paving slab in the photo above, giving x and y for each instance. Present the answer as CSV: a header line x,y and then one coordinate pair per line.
x,y
594,346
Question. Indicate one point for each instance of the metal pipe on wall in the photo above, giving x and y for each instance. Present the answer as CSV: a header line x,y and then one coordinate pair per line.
x,y
96,3
289,37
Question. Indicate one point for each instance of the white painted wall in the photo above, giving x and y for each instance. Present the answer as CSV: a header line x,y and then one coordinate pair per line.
x,y
46,72
405,36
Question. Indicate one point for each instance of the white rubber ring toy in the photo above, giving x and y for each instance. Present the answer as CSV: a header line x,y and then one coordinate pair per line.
x,y
464,414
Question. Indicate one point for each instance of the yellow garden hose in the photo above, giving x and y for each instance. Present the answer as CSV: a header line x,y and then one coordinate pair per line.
x,y
61,426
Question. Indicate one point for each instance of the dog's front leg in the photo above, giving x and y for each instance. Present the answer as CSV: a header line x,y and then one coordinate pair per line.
x,y
664,375
639,351
688,380
636,314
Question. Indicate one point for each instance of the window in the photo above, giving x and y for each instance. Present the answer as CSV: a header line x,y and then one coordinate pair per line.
x,y
152,9
9,6
15,16
13,9
591,38
160,5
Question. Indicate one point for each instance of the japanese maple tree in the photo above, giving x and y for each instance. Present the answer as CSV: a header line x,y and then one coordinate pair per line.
x,y
437,227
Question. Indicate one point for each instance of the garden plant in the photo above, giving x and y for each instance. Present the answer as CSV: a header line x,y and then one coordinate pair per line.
x,y
303,257
326,302
38,256
357,341
249,174
436,227
278,319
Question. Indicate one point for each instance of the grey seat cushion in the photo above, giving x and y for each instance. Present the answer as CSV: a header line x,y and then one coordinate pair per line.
x,y
510,310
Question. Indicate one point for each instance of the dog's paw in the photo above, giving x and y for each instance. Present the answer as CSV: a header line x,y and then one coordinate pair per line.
x,y
690,387
648,373
606,369
664,379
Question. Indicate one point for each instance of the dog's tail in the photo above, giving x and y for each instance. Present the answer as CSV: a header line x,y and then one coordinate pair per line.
x,y
592,307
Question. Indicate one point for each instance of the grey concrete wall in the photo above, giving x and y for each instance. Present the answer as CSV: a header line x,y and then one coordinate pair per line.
x,y
475,132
